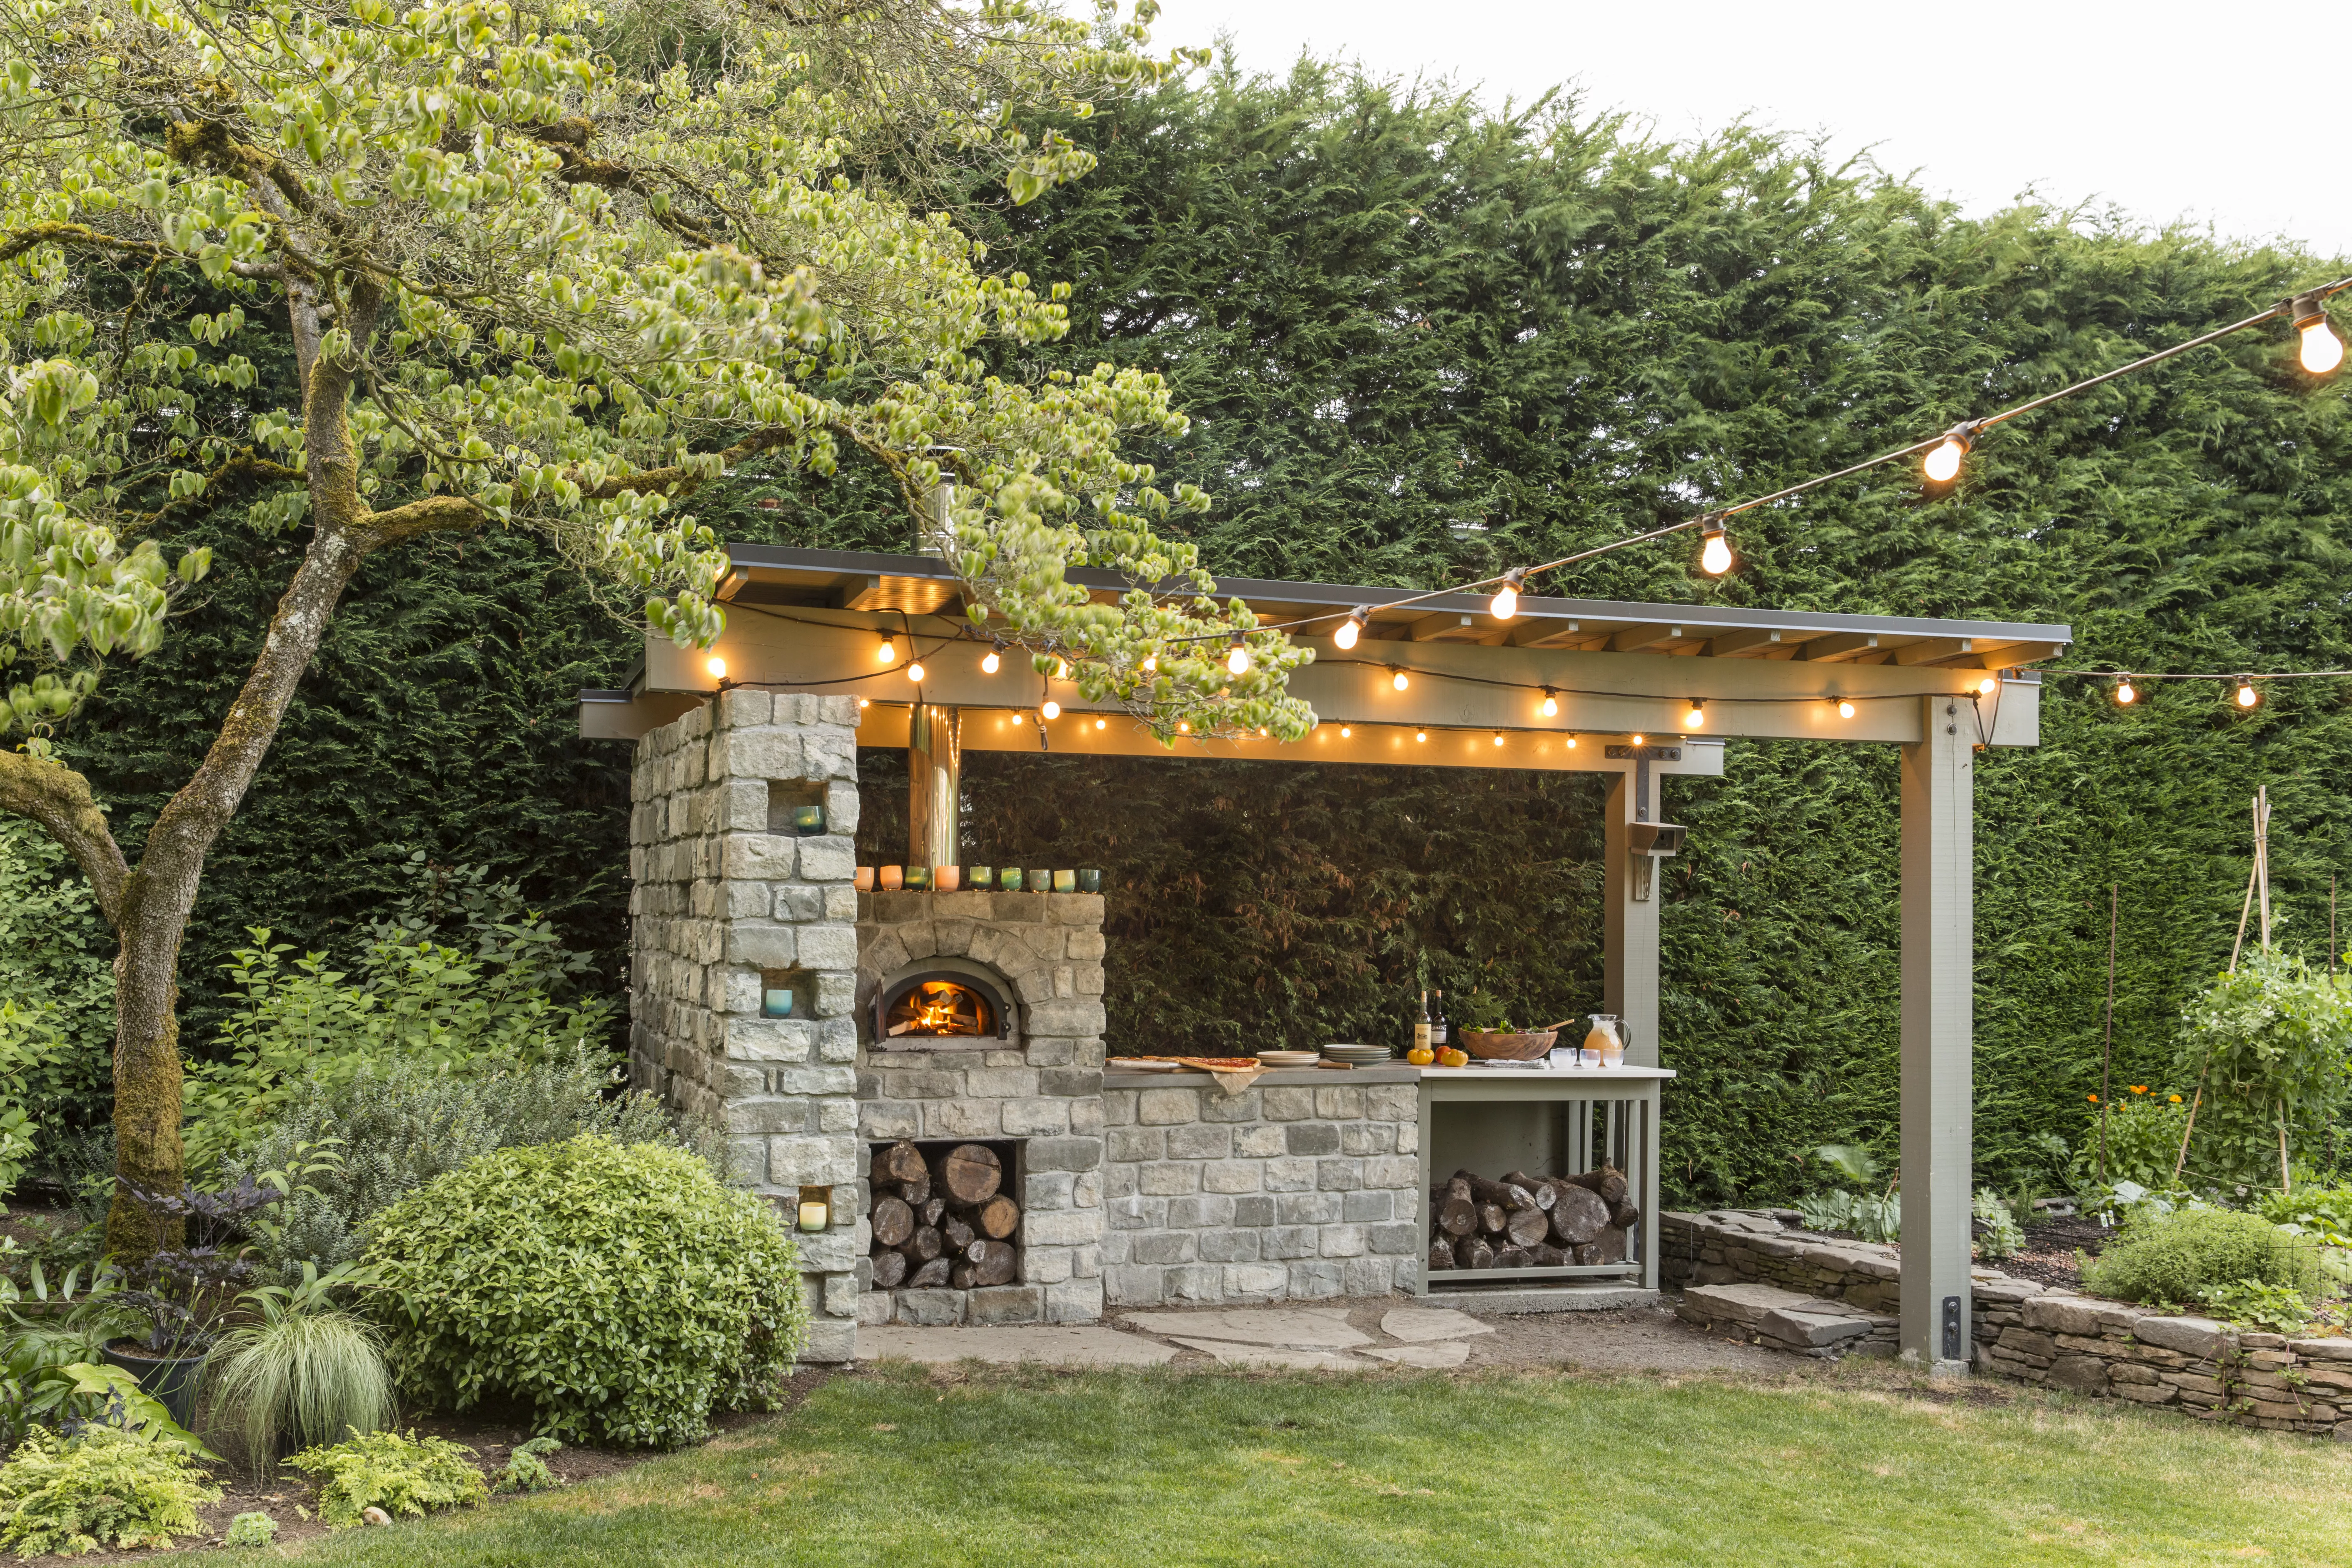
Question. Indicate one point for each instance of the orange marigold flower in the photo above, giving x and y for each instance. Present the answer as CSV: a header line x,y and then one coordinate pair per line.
x,y
2139,1088
2174,1098
2094,1098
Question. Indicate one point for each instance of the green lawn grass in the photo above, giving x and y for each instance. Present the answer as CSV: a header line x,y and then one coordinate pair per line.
x,y
1146,1469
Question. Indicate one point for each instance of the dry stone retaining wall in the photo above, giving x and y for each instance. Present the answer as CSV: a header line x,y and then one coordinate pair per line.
x,y
1751,1272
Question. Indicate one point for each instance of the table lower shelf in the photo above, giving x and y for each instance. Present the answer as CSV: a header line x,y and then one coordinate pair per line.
x,y
1432,1276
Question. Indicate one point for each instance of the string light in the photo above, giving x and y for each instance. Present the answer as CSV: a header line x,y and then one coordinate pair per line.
x,y
1715,553
1183,727
1345,731
1506,602
1571,743
1696,718
865,702
1102,723
1943,463
990,662
2247,695
1398,680
1421,734
2125,692
1238,660
1499,737
1016,718
1845,707
1641,740
1353,626
1549,706
1052,709
716,666
1988,686
889,652
1061,669
1152,662
915,672
2323,351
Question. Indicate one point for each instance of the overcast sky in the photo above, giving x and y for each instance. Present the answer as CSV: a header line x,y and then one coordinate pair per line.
x,y
2213,113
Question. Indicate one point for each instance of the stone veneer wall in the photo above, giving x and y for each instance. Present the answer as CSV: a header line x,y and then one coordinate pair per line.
x,y
1043,1087
1294,1189
2038,1334
716,899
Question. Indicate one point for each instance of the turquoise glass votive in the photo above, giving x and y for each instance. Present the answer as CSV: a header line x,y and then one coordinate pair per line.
x,y
919,879
980,879
776,1002
1041,882
1010,879
1066,881
808,820
1089,881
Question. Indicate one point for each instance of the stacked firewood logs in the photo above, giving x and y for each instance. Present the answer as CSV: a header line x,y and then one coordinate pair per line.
x,y
1529,1222
941,1221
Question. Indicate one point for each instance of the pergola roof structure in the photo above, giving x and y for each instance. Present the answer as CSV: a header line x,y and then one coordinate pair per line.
x,y
1626,681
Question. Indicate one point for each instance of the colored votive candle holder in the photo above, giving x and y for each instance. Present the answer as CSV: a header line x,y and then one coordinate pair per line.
x,y
1010,879
891,878
979,878
1089,881
919,879
808,820
947,879
1041,882
864,878
776,1002
1066,881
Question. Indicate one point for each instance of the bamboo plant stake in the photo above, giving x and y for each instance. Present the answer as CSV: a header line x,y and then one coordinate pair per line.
x,y
2258,876
2107,1045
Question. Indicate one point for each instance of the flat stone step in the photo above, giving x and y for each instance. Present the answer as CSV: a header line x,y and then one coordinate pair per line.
x,y
1797,1322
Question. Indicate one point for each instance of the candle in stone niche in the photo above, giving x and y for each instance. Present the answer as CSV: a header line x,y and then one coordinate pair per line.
x,y
776,1002
890,878
815,1214
808,820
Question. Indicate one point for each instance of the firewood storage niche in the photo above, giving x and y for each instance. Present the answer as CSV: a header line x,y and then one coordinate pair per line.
x,y
943,1216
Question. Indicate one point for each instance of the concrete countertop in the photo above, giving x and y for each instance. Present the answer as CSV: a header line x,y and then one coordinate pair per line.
x,y
1395,1072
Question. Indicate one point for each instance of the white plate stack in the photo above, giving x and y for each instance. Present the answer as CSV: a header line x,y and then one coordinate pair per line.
x,y
1287,1059
1357,1055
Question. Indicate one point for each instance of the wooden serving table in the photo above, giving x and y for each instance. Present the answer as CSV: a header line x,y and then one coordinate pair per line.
x,y
1556,1122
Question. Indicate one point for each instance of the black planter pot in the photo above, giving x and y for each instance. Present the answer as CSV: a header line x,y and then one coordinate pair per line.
x,y
170,1379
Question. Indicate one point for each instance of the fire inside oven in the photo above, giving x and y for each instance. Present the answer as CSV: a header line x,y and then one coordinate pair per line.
x,y
940,1005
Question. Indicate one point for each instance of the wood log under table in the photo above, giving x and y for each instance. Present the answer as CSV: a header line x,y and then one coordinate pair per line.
x,y
971,1172
900,1162
997,1219
894,1222
889,1268
1578,1214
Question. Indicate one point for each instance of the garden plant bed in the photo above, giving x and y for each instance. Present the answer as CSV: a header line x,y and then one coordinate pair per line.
x,y
2048,1256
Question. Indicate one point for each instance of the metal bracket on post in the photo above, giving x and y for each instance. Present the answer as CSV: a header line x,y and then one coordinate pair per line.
x,y
1649,843
1951,1328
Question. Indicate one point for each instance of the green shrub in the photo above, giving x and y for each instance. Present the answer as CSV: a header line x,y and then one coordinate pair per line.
x,y
2143,1142
2171,1258
525,1469
2323,1212
361,1142
307,1372
409,1476
57,975
2001,1236
255,1529
2281,1309
105,1488
621,1290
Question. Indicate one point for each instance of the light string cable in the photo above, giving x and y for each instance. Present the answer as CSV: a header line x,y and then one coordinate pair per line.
x,y
2304,310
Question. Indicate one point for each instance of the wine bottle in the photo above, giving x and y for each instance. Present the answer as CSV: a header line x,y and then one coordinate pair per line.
x,y
1421,1025
1441,1028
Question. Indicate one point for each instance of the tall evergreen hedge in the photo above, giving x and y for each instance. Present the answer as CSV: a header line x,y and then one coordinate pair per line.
x,y
1390,314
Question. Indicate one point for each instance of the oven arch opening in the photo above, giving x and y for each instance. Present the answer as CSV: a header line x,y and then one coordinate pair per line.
x,y
940,1003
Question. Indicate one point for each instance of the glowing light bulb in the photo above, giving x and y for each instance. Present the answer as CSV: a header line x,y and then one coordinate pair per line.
x,y
1571,743
1183,727
1150,663
889,652
716,666
1400,682
1350,630
1238,661
1943,465
1265,731
2247,695
1421,734
1988,686
1550,708
1715,556
1062,669
990,663
2125,692
865,702
915,672
1016,718
1345,731
1641,740
1499,737
1102,723
2323,351
1506,602
1845,708
1695,718
1051,710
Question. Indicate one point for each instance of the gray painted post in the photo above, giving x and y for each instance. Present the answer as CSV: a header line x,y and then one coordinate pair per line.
x,y
1629,931
1938,899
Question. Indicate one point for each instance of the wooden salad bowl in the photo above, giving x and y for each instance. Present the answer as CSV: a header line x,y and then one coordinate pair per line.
x,y
1488,1045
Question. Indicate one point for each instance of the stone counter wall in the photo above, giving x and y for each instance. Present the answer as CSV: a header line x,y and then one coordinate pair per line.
x,y
1296,1188
2055,1338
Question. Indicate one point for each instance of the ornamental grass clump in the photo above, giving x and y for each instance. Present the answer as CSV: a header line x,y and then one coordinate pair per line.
x,y
305,1374
621,1290
2173,1257
104,1487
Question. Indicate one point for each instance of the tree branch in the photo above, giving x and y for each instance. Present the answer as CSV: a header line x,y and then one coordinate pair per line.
x,y
58,798
428,514
244,463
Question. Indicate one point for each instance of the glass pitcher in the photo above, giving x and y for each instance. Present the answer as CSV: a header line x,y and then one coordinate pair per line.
x,y
1604,1043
